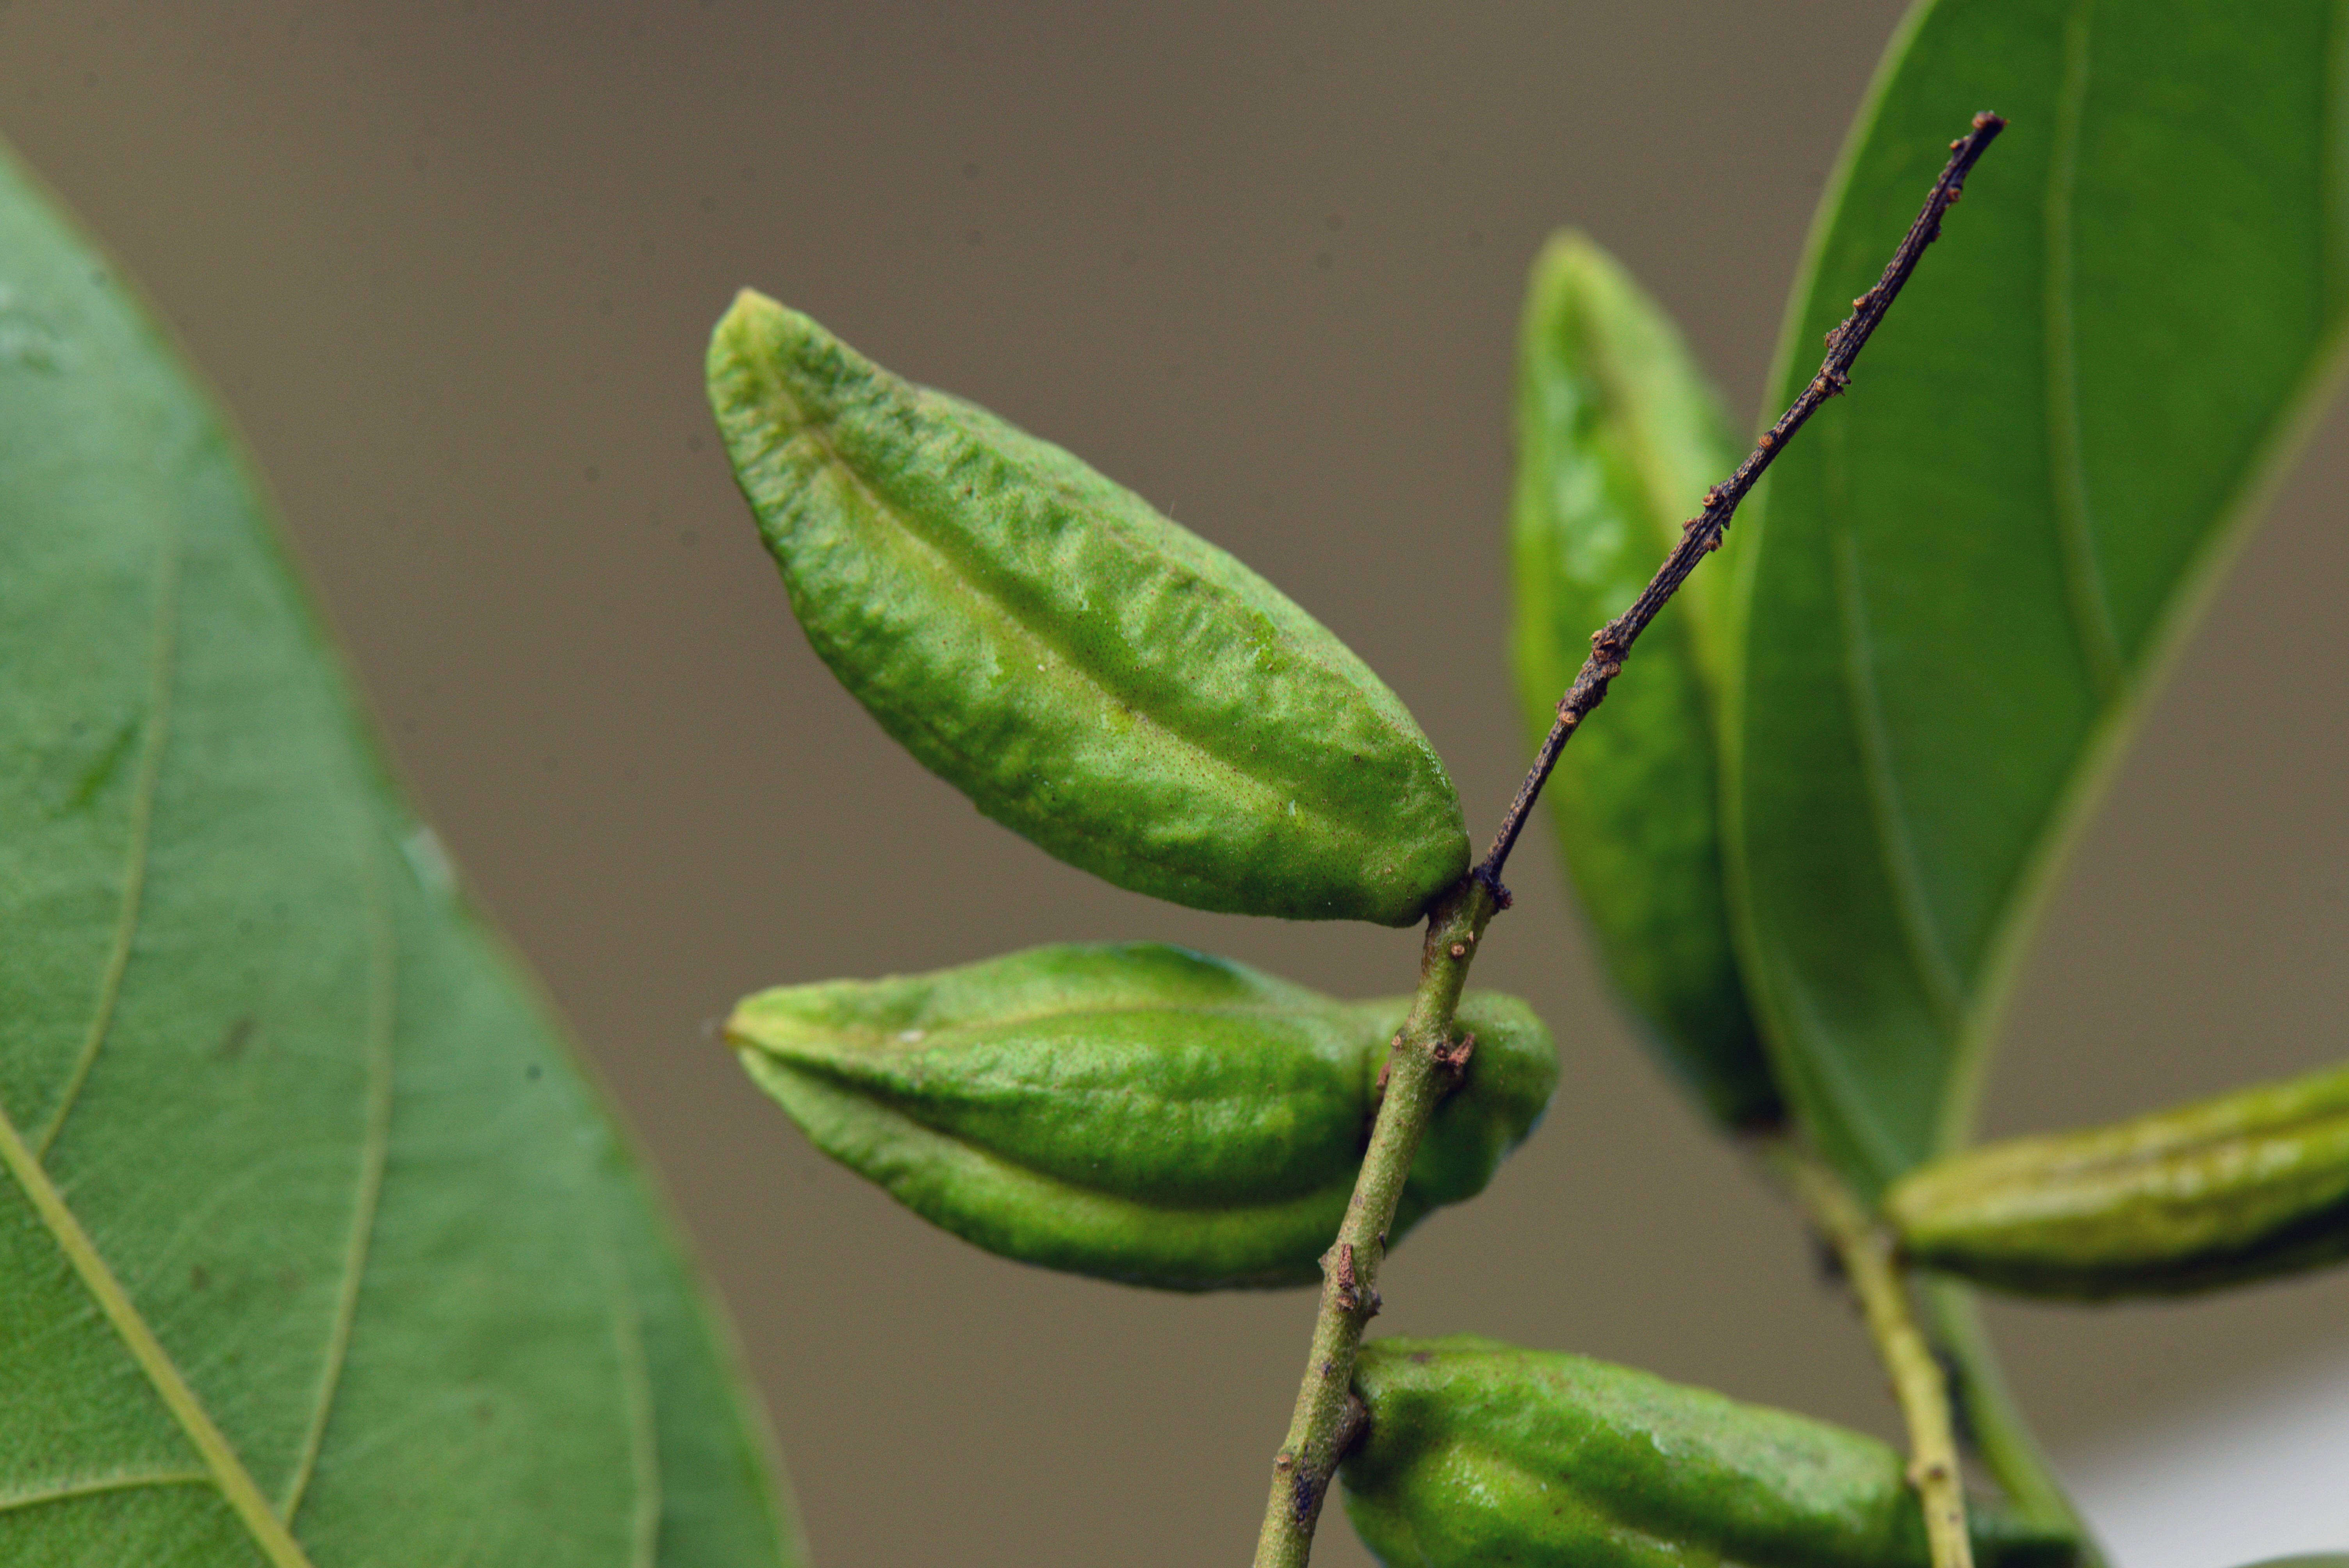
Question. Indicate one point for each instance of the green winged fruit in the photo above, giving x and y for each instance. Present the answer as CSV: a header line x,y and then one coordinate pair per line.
x,y
1618,438
1122,693
1135,1113
2242,1187
1478,1452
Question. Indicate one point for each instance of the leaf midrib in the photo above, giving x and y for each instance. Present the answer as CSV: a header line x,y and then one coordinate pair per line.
x,y
221,1460
1961,1009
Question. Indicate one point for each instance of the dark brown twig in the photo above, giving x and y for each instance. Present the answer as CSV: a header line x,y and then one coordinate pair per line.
x,y
1703,532
1422,1062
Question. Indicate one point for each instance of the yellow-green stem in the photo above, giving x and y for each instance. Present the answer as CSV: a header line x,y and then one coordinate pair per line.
x,y
1423,1064
1995,1426
1867,1256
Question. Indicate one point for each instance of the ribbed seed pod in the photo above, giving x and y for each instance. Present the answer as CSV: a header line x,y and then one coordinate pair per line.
x,y
1618,438
1136,1112
1479,1453
2242,1187
1093,677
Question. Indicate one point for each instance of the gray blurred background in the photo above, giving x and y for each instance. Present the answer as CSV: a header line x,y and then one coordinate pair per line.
x,y
452,267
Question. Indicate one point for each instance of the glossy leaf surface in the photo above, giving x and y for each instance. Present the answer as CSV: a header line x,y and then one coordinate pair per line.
x,y
1138,1112
1098,679
1618,436
315,1244
1480,1452
2240,1187
1963,577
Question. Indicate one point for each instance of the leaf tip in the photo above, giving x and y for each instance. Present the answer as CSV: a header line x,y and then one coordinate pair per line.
x,y
753,329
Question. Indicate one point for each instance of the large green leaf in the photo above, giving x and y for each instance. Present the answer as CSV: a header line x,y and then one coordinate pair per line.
x,y
314,1244
1963,578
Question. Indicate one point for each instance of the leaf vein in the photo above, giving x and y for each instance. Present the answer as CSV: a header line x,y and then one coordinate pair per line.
x,y
225,1467
1927,948
366,1202
161,660
2086,593
98,1486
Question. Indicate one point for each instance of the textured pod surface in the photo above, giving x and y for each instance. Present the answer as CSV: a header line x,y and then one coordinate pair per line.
x,y
1479,1452
1618,435
1093,677
2247,1185
1138,1112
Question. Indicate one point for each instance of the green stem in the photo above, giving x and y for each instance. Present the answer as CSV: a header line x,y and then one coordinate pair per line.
x,y
1423,1065
1917,1381
1994,1425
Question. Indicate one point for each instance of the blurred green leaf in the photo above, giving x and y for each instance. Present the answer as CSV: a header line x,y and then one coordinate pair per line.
x,y
1958,586
315,1244
1618,436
